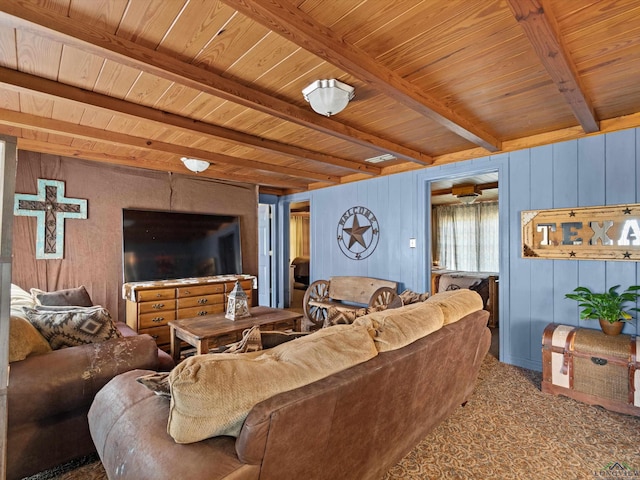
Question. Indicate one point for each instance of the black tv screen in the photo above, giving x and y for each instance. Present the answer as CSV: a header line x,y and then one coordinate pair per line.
x,y
167,245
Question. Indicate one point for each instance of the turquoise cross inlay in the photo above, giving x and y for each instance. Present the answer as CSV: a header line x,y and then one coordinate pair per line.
x,y
51,208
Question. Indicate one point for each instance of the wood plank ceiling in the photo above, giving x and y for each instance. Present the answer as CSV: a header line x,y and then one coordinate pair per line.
x,y
145,82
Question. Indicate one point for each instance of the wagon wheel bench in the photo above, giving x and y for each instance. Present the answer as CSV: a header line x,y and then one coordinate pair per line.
x,y
346,293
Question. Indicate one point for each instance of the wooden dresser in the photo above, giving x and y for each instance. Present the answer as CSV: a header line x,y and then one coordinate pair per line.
x,y
151,305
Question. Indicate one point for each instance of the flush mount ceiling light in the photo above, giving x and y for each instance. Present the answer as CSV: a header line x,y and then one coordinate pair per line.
x,y
328,97
195,165
467,194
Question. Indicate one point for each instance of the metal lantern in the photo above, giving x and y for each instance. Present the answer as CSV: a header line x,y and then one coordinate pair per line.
x,y
237,304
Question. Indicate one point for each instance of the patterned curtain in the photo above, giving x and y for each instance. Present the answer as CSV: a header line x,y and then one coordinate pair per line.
x,y
466,237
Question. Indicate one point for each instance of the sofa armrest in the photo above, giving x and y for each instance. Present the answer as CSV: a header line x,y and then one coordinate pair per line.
x,y
165,361
64,380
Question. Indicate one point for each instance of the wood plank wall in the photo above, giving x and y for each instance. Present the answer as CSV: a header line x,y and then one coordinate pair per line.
x,y
598,170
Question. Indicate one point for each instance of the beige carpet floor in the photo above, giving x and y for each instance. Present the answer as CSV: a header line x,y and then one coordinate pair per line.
x,y
508,430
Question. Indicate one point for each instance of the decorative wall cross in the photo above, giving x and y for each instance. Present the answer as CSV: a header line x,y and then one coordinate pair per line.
x,y
51,208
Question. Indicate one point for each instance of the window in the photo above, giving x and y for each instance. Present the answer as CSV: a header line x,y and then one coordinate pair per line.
x,y
466,237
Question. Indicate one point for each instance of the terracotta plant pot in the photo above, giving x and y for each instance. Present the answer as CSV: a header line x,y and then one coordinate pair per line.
x,y
611,328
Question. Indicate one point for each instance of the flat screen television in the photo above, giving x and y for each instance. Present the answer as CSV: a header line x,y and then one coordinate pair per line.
x,y
166,245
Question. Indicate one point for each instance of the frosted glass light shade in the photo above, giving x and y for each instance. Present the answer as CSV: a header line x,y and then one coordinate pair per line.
x,y
328,97
467,199
195,165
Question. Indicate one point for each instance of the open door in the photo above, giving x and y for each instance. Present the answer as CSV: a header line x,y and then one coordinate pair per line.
x,y
265,256
465,248
299,251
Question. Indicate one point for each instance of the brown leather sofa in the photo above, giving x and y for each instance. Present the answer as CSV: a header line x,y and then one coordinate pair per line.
x,y
49,396
354,424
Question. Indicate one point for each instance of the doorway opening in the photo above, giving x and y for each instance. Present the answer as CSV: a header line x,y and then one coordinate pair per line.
x,y
299,251
465,249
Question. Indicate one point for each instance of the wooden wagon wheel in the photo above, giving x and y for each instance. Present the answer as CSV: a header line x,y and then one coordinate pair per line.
x,y
383,296
317,291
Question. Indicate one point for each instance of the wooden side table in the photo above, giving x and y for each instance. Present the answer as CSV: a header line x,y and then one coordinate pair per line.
x,y
205,332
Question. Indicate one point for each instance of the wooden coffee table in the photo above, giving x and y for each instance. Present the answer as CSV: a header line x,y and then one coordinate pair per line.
x,y
209,331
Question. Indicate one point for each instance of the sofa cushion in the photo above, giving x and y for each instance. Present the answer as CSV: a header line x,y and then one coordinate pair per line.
x,y
456,304
398,327
78,297
72,326
211,395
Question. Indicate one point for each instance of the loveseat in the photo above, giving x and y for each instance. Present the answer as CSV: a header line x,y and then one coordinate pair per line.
x,y
50,391
352,424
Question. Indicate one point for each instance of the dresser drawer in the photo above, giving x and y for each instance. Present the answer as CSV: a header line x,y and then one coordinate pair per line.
x,y
200,290
156,319
199,311
157,306
160,294
162,335
201,300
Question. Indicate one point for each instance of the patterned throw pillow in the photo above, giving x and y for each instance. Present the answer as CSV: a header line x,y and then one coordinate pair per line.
x,y
254,340
157,382
337,316
409,296
72,326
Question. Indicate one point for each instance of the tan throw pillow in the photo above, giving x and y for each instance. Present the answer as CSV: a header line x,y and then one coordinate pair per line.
x,y
72,326
398,327
456,304
24,339
70,297
212,394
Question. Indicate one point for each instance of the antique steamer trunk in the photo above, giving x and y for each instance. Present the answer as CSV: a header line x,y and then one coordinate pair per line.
x,y
592,367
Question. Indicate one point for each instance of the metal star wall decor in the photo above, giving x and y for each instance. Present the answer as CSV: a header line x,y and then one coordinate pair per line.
x,y
51,208
358,233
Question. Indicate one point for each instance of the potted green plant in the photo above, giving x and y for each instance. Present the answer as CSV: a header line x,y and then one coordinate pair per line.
x,y
608,307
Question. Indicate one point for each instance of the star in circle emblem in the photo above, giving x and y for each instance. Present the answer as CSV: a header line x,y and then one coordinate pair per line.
x,y
358,233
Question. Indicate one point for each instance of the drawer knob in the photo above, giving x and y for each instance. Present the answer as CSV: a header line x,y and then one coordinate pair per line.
x,y
157,319
155,337
158,306
158,295
187,292
202,312
202,301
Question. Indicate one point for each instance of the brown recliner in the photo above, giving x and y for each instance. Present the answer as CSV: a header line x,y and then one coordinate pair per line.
x,y
49,396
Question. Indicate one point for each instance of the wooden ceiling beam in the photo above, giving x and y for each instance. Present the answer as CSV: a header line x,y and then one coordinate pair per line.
x,y
30,83
47,24
540,27
34,122
72,152
449,191
284,17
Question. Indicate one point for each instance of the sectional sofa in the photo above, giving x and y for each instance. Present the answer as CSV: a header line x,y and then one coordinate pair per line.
x,y
385,382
